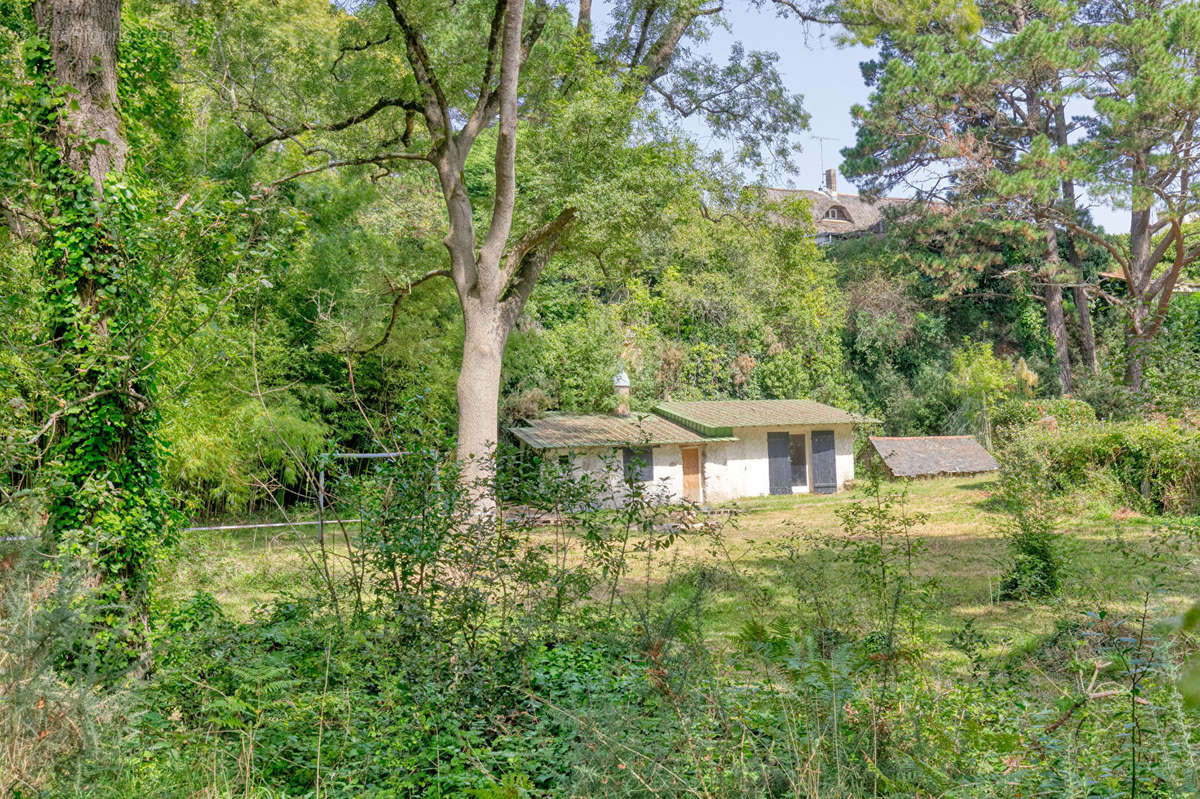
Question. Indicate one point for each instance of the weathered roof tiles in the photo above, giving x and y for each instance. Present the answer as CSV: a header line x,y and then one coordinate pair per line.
x,y
926,456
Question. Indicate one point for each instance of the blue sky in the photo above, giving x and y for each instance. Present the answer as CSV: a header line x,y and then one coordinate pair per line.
x,y
814,66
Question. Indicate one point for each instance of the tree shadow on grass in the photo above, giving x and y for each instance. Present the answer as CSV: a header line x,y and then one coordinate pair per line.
x,y
989,485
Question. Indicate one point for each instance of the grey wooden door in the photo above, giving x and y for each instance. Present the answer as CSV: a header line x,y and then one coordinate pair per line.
x,y
824,462
779,463
799,461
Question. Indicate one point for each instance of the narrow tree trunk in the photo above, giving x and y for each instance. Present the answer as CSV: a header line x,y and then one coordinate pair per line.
x,y
1056,324
1055,320
1087,335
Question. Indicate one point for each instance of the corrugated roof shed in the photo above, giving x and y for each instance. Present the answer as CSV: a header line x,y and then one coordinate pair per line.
x,y
719,417
926,456
604,431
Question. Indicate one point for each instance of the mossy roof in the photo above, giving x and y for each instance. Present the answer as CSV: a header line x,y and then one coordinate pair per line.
x,y
564,431
719,417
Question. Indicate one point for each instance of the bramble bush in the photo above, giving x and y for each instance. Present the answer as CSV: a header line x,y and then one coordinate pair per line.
x,y
1155,464
1014,416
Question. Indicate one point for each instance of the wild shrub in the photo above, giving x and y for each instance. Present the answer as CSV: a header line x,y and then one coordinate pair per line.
x,y
1155,462
1037,561
1036,569
53,707
1054,413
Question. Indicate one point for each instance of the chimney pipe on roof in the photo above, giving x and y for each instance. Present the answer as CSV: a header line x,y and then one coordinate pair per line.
x,y
621,389
831,181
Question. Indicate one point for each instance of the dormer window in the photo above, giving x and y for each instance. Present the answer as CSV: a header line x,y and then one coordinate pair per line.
x,y
837,212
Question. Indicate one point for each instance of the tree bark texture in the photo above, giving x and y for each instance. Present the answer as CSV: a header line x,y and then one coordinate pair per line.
x,y
83,38
1055,318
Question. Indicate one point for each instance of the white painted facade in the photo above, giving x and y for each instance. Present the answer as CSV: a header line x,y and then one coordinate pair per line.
x,y
729,470
740,468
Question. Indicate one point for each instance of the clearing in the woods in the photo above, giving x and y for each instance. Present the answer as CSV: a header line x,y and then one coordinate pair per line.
x,y
748,577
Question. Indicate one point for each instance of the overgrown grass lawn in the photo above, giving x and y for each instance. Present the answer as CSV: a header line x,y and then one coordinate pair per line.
x,y
749,577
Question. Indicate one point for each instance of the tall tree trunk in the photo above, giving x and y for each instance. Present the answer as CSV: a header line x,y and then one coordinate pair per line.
x,y
481,274
1083,312
484,340
105,500
1136,345
83,44
1055,319
1135,362
1087,335
1141,269
584,23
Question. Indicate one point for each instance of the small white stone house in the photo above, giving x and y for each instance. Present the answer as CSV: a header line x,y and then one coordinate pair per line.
x,y
709,452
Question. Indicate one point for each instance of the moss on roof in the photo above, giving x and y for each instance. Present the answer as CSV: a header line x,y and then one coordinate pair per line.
x,y
566,431
719,417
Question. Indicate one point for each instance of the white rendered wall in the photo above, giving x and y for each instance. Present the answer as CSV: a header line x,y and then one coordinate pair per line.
x,y
740,468
731,469
607,465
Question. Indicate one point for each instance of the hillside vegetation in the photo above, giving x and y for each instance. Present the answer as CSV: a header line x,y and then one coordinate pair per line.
x,y
243,238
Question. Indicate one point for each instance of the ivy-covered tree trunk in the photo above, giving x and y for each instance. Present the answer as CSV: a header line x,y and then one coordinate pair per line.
x,y
106,505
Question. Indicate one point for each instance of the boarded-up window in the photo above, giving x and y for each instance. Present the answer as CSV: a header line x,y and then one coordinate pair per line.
x,y
799,460
639,464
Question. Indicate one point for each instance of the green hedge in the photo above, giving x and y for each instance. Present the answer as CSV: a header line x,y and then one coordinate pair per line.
x,y
1156,463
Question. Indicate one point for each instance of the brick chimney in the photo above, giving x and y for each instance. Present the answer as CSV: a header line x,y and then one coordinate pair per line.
x,y
831,181
621,389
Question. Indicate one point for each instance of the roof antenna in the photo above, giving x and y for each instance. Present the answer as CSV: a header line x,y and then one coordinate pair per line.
x,y
821,147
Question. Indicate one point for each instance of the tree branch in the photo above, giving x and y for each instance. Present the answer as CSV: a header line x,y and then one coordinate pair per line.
x,y
333,127
805,16
660,53
534,239
529,267
506,142
357,48
381,158
400,293
437,110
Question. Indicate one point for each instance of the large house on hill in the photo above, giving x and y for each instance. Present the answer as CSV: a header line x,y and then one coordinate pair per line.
x,y
837,215
707,452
